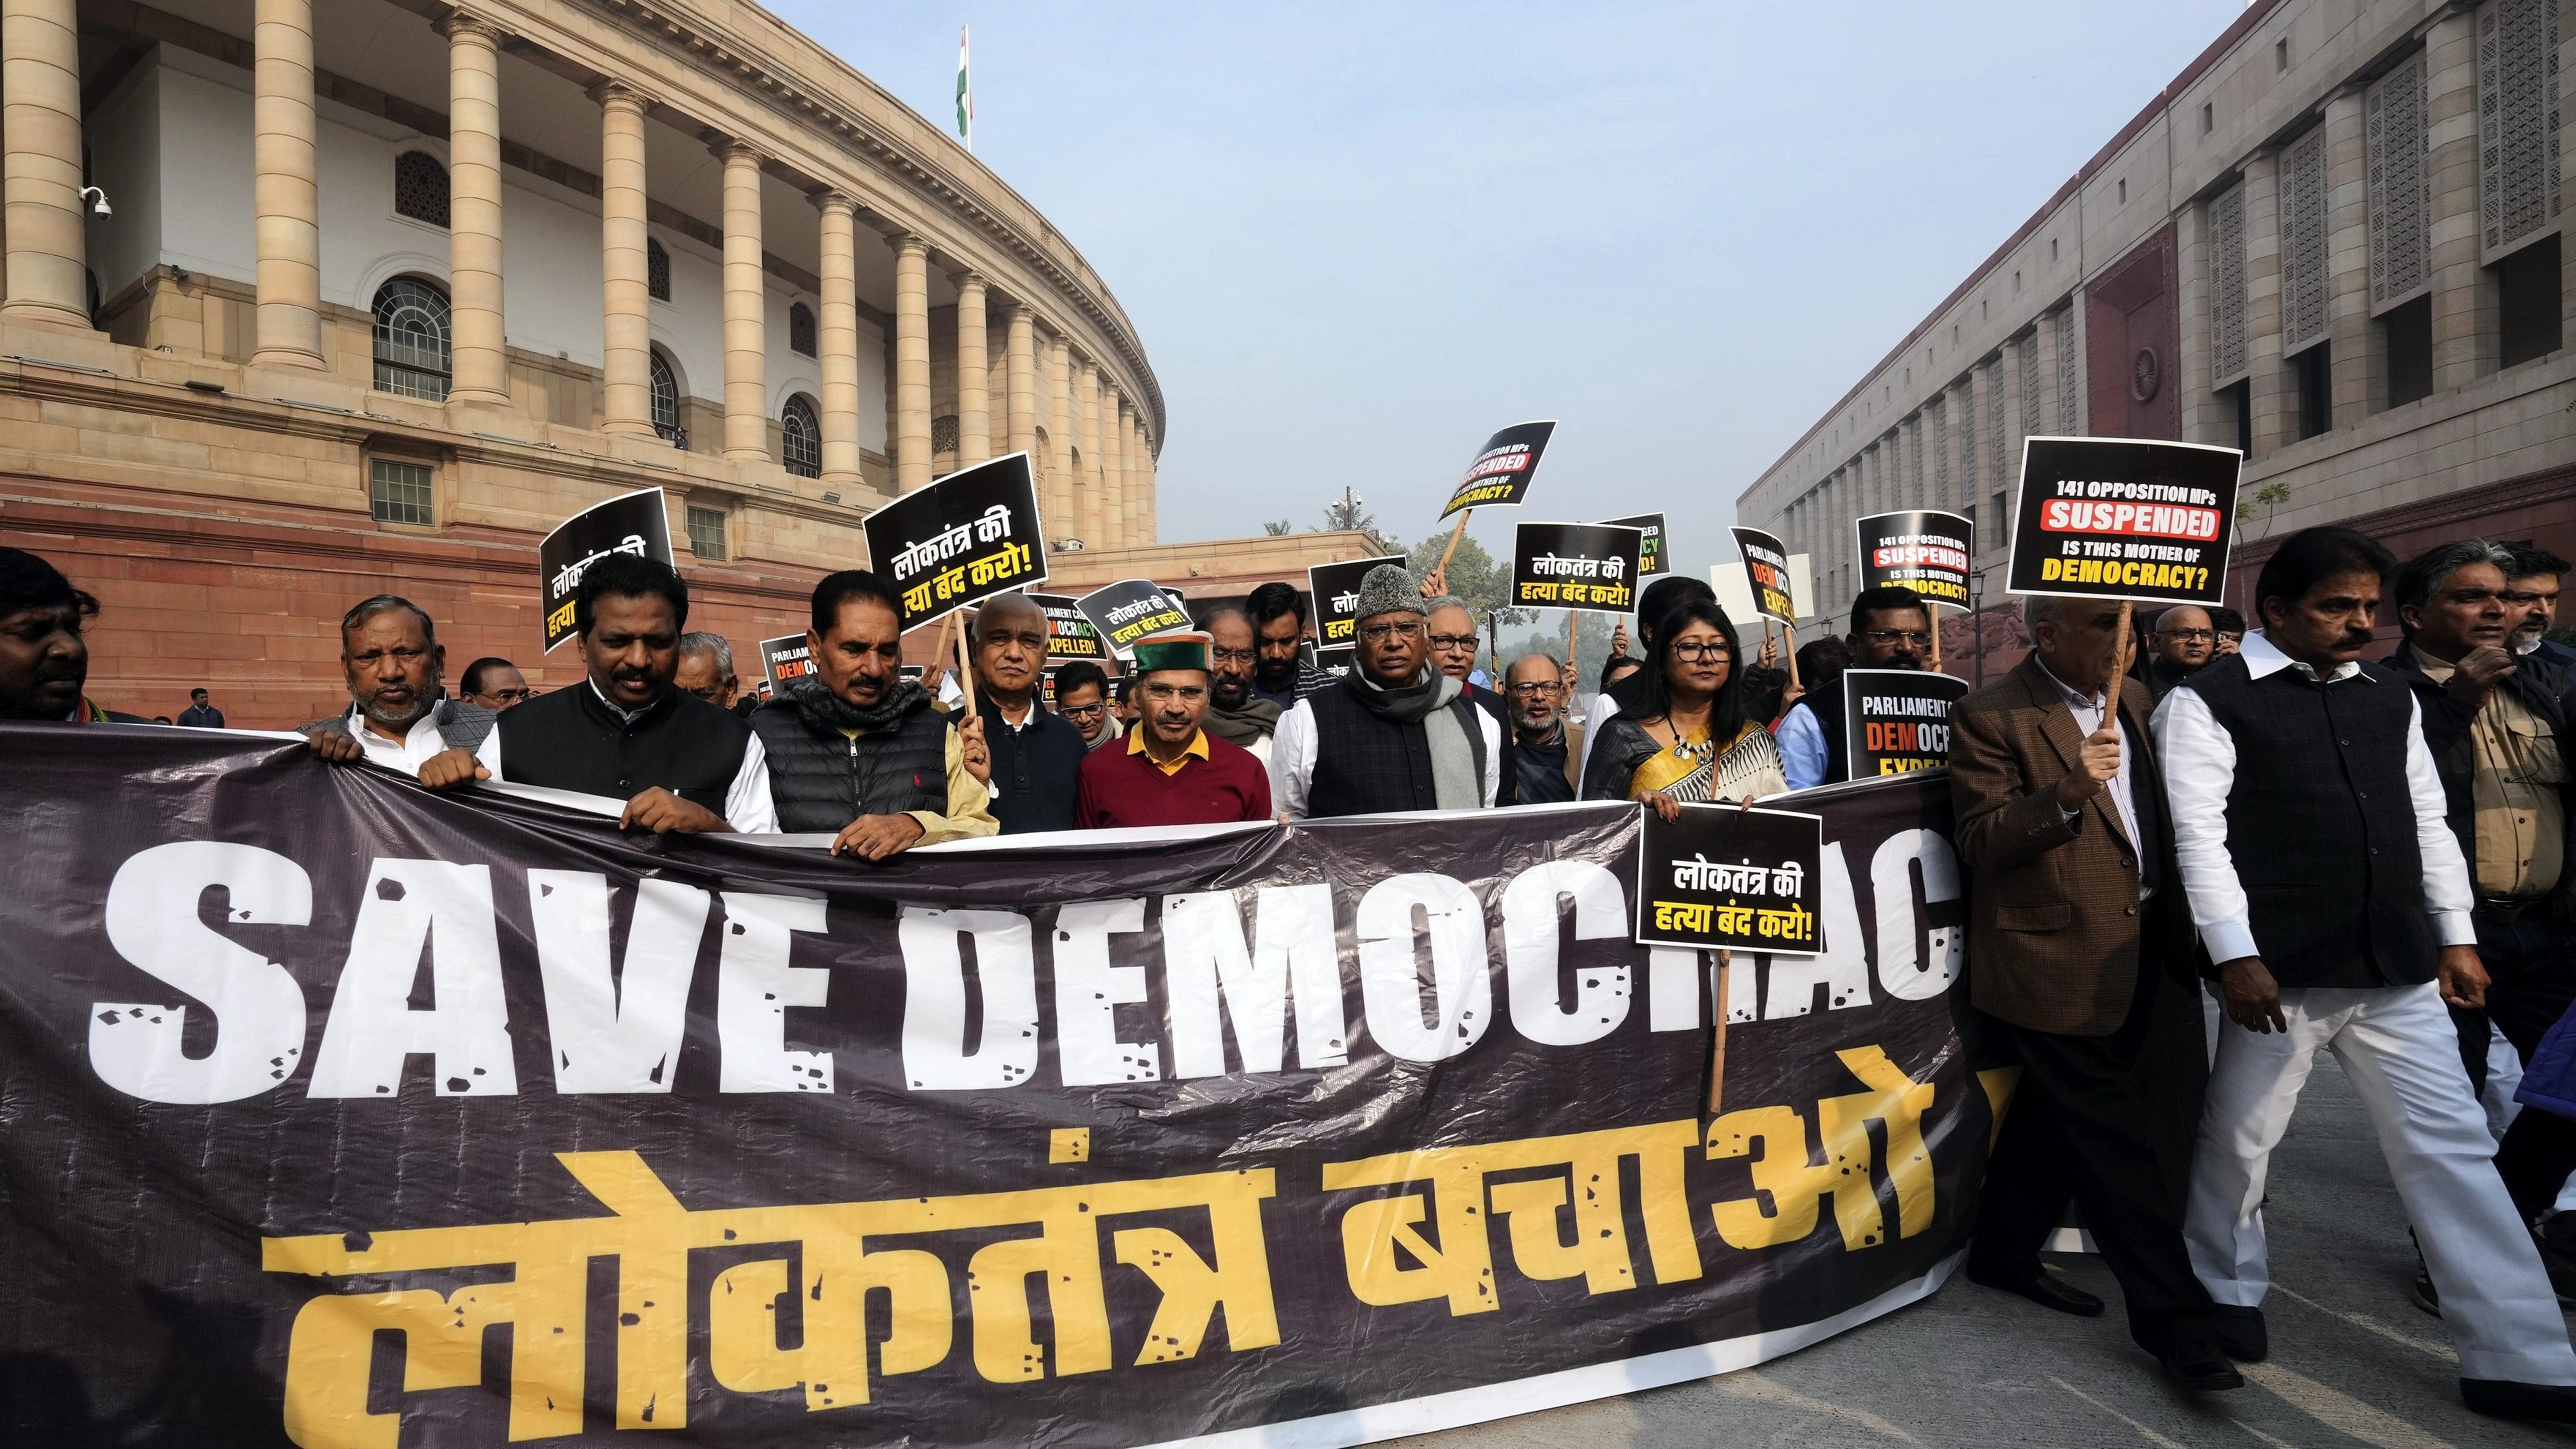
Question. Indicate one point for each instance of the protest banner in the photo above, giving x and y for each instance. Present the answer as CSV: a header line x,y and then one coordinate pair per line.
x,y
1650,555
970,535
1922,549
1766,570
631,523
705,1136
2118,518
1070,633
1504,468
1590,566
1725,876
784,658
1898,720
1334,590
1131,609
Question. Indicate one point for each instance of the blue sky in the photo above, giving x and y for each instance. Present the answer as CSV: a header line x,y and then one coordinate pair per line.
x,y
1357,239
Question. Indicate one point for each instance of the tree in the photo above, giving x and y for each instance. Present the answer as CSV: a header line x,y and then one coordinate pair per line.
x,y
1278,528
1474,577
2271,496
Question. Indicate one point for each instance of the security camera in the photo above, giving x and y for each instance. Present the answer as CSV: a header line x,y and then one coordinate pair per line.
x,y
97,200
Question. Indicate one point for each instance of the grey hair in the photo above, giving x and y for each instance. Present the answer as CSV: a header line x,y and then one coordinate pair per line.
x,y
2034,608
368,608
1553,661
2414,584
703,642
1446,601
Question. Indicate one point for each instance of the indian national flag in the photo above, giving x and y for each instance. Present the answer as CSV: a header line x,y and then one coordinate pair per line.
x,y
965,94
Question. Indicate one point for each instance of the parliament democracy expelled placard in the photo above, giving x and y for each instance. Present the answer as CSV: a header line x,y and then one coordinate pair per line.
x,y
1897,720
353,1112
2118,518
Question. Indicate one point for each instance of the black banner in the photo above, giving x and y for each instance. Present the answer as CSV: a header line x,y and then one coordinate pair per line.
x,y
1504,468
1764,891
1070,635
1334,590
340,1111
1650,553
1130,609
629,523
1899,719
1921,549
972,534
1766,572
784,658
2116,518
1589,566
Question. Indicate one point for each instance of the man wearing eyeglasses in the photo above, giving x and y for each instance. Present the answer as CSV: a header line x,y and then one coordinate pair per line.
x,y
1393,734
1891,628
1082,697
2183,643
1546,745
1453,643
1235,713
494,683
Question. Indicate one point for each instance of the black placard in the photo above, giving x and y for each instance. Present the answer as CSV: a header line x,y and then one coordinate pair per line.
x,y
1335,590
1725,876
970,535
1504,468
1070,635
1920,549
1589,566
2117,518
1338,661
1650,554
629,523
784,658
1766,572
1131,609
1899,719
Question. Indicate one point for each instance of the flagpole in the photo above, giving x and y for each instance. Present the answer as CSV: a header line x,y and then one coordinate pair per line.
x,y
965,95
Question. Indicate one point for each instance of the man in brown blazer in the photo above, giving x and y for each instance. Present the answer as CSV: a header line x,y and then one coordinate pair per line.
x,y
2079,944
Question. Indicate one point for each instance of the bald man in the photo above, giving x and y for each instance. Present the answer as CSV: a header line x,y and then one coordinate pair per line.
x,y
1037,755
2182,644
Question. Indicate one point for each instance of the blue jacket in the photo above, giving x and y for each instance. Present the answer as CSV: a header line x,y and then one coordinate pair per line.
x,y
2549,1078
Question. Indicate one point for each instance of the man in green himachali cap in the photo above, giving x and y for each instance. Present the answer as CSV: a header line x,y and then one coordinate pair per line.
x,y
1171,771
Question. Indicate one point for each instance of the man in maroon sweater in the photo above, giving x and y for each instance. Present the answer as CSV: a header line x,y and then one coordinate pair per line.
x,y
1169,771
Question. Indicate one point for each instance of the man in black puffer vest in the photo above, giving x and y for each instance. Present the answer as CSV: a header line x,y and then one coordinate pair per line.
x,y
855,750
678,762
1394,733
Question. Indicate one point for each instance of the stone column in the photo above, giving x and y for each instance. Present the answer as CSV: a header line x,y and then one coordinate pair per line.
x,y
626,303
1059,402
1140,502
974,374
2464,302
1153,507
2267,378
2048,342
1086,423
1020,383
911,363
1980,470
286,229
2200,405
2008,405
476,337
1955,412
746,312
40,113
838,334
1113,483
2348,329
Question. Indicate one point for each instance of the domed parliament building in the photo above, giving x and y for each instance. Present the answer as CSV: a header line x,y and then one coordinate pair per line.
x,y
311,299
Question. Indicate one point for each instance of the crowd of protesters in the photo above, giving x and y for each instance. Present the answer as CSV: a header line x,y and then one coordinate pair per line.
x,y
2182,883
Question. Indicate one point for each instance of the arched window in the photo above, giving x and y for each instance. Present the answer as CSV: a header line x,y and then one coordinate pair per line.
x,y
1040,450
666,398
801,437
657,270
411,339
420,188
800,329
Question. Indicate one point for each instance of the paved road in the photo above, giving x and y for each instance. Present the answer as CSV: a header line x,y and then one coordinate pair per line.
x,y
2353,1361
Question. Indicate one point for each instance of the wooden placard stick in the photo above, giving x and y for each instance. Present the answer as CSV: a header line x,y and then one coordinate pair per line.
x,y
1717,1051
1573,638
1934,610
939,655
965,664
1790,647
2119,662
1455,534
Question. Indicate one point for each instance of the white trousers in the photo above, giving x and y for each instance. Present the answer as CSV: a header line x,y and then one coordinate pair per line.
x,y
2402,1054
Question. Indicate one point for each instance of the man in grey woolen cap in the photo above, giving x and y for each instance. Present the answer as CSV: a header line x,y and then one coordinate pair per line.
x,y
1394,733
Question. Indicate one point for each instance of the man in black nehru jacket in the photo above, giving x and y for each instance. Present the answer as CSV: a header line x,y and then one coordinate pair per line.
x,y
677,761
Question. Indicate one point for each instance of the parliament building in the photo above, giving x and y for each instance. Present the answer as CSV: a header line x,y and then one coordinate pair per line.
x,y
2334,241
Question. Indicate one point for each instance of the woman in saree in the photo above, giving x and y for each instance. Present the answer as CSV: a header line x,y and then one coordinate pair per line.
x,y
1689,742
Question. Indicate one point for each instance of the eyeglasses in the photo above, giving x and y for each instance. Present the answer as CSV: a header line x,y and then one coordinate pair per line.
x,y
2188,635
1454,641
1380,633
1694,652
1082,711
520,695
1166,693
1535,689
1233,656
1916,637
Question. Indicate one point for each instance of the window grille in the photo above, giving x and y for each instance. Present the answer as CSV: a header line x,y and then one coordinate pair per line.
x,y
1969,459
666,399
943,433
707,532
801,438
2226,287
2400,185
412,357
399,492
1941,423
800,329
2517,122
2303,240
420,188
657,270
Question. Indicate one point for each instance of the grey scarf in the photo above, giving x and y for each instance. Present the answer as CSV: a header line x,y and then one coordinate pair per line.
x,y
822,709
1457,758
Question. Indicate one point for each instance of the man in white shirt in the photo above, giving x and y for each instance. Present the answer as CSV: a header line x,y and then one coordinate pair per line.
x,y
2311,835
399,714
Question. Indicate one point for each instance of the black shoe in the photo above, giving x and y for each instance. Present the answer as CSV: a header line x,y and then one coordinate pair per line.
x,y
2241,1335
2506,1399
2198,1365
2423,1296
2045,1289
2556,1239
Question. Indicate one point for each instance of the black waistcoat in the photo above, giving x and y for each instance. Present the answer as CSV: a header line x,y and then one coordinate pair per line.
x,y
1036,770
821,779
1365,764
2321,824
571,740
